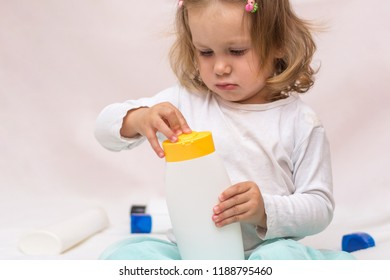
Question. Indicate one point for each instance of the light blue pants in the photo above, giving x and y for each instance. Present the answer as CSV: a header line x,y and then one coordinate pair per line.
x,y
146,248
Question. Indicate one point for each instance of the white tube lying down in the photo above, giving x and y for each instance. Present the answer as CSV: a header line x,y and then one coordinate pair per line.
x,y
62,236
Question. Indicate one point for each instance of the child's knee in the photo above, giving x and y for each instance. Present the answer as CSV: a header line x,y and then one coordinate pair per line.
x,y
143,248
289,249
283,249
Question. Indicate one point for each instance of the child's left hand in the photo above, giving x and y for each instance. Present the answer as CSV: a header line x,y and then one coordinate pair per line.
x,y
241,202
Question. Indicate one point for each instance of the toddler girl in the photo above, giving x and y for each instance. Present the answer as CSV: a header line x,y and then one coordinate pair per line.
x,y
241,66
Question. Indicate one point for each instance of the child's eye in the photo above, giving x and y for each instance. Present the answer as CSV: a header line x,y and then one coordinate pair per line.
x,y
238,52
206,53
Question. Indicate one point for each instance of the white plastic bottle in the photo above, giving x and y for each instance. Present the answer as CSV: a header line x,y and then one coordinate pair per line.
x,y
195,177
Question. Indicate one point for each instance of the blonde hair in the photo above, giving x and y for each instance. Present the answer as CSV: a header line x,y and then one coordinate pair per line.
x,y
274,29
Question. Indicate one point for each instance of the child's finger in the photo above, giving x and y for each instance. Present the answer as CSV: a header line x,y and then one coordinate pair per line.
x,y
185,128
177,122
233,191
230,203
152,138
232,215
161,126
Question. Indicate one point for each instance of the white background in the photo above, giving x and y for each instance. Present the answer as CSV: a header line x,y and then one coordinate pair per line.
x,y
62,61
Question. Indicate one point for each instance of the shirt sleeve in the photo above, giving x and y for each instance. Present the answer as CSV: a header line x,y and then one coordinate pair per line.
x,y
110,119
308,210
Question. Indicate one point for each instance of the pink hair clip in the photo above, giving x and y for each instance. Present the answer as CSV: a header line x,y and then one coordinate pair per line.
x,y
180,4
251,6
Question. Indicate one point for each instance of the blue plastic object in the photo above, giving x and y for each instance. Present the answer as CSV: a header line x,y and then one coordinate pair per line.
x,y
357,241
141,223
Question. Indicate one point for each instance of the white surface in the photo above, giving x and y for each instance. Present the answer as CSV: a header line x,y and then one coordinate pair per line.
x,y
62,61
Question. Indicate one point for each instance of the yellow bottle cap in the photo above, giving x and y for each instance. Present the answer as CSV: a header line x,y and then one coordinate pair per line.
x,y
189,146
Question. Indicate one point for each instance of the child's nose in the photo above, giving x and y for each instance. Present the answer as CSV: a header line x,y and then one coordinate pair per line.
x,y
222,67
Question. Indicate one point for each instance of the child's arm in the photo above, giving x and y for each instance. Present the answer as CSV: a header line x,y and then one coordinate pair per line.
x,y
147,121
307,210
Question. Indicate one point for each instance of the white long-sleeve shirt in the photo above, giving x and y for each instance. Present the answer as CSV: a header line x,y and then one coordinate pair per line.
x,y
281,146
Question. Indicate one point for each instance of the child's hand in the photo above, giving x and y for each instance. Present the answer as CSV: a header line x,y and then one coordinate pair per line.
x,y
241,202
162,117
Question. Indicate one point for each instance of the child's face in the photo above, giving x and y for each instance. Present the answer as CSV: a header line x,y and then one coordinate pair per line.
x,y
227,62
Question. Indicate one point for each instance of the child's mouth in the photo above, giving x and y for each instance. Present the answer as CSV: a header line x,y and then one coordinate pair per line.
x,y
226,86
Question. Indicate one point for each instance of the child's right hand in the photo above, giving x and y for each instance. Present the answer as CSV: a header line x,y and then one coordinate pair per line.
x,y
147,121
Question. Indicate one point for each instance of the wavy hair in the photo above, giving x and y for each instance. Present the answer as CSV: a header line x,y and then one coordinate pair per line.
x,y
275,28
